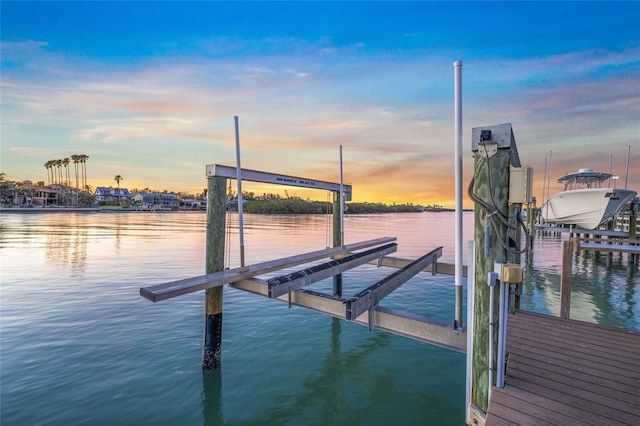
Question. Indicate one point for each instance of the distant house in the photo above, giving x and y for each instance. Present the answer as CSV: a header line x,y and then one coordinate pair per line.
x,y
190,204
104,194
169,200
162,200
64,194
34,195
146,199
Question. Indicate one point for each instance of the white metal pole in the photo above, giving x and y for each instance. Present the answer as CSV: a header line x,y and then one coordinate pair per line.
x,y
610,159
502,333
491,280
471,283
549,183
544,182
239,179
626,174
341,201
457,67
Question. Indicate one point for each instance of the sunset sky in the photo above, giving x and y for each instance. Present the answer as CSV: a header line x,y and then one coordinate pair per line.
x,y
149,90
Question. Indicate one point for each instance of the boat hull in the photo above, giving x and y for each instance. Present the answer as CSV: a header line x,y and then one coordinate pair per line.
x,y
586,208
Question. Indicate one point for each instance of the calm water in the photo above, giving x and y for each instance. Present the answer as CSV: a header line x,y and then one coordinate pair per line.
x,y
80,346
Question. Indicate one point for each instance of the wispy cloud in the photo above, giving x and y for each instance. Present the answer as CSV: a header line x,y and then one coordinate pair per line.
x,y
299,99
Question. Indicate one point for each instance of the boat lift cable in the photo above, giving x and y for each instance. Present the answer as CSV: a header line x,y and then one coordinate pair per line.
x,y
494,216
326,231
228,232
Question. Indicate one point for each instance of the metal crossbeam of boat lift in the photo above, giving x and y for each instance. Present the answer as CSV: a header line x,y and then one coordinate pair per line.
x,y
368,299
288,283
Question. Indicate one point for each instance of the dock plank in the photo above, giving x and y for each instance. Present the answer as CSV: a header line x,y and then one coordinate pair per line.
x,y
577,353
597,414
586,372
525,411
550,402
612,338
567,372
562,381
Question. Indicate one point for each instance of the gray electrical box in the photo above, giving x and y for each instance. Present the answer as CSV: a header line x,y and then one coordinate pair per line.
x,y
520,185
500,134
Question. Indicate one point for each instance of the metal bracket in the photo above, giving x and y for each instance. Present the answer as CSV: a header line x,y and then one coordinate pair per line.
x,y
373,297
487,149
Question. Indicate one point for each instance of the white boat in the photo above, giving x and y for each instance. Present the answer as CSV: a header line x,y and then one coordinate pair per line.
x,y
584,203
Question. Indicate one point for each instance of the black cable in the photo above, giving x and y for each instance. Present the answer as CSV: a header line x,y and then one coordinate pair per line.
x,y
493,214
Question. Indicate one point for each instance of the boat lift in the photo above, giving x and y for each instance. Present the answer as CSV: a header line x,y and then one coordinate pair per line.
x,y
363,307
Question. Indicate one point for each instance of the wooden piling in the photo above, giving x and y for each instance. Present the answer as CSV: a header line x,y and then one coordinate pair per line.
x,y
531,220
216,222
565,279
337,240
633,229
491,185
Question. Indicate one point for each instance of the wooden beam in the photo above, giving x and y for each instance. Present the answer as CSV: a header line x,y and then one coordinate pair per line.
x,y
287,283
171,289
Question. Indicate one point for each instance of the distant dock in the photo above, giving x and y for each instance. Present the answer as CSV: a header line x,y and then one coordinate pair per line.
x,y
571,230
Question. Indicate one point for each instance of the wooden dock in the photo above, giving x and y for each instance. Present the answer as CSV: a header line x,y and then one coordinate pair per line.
x,y
567,372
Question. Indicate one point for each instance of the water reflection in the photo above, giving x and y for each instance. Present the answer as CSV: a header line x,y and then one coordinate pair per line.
x,y
327,393
604,287
67,245
212,397
294,367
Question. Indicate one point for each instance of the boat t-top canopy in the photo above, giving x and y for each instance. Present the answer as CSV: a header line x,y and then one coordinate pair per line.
x,y
584,177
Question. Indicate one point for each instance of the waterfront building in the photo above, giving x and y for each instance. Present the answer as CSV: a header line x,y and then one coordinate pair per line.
x,y
154,199
112,195
28,194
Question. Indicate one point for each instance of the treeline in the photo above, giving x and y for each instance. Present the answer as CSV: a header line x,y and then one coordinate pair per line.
x,y
363,208
291,205
296,205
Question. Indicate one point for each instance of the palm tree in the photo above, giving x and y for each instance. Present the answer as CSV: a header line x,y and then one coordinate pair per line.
x,y
65,163
81,161
76,160
59,165
47,166
84,158
54,170
52,164
118,178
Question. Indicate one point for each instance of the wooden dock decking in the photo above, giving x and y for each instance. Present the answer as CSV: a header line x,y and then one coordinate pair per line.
x,y
567,372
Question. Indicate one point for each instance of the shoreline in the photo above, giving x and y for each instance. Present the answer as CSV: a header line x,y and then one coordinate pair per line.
x,y
4,209
49,209
83,210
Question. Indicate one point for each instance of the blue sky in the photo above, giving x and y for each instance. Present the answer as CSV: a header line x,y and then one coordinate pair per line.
x,y
149,90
